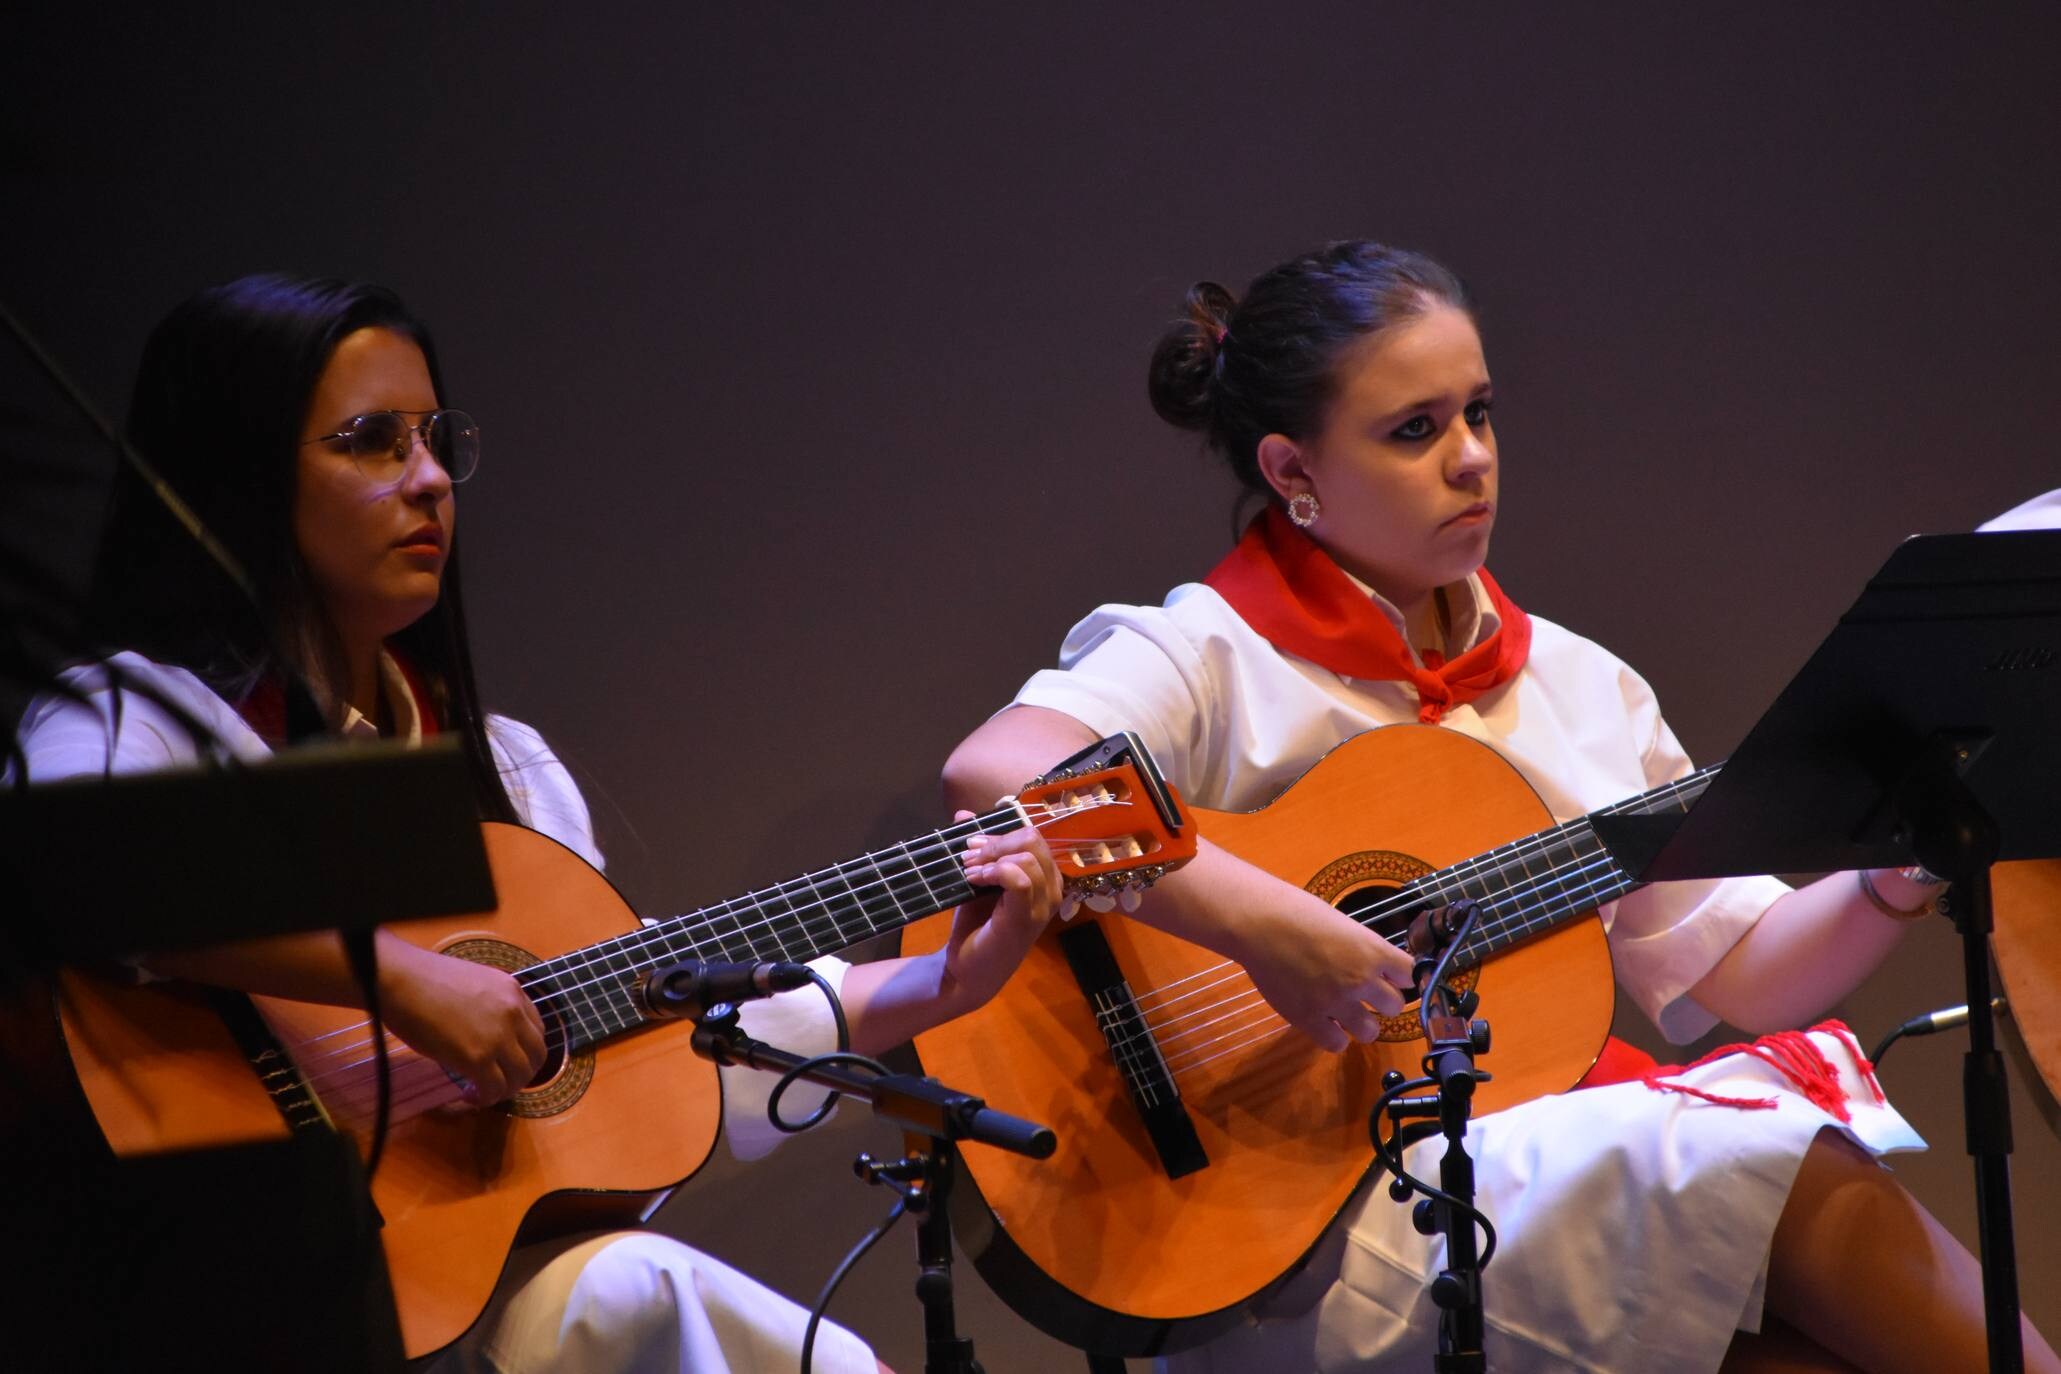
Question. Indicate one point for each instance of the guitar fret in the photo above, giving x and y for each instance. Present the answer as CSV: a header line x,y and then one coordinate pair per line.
x,y
929,893
591,993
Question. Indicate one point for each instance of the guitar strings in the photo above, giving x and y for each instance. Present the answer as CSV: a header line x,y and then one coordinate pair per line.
x,y
1252,1001
940,859
1248,998
1133,1046
1495,863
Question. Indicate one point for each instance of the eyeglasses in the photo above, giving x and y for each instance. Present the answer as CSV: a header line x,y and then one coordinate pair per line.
x,y
381,441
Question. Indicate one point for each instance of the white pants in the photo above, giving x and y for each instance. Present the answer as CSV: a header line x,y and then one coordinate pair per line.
x,y
630,1302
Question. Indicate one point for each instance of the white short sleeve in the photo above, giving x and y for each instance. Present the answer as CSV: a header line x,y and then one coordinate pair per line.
x,y
798,1022
541,788
1665,938
122,721
1135,668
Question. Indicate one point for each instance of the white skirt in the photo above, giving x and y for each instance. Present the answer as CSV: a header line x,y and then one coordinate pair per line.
x,y
1633,1229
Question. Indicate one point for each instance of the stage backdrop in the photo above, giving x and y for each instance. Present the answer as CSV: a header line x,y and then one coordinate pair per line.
x,y
809,347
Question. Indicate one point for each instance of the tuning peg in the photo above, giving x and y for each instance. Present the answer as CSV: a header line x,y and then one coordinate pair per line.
x,y
1129,896
1101,901
1069,906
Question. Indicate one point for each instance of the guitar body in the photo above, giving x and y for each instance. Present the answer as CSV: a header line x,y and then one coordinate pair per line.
x,y
1099,1245
600,1137
2025,902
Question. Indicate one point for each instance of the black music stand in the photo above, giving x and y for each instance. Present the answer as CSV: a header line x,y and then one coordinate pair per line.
x,y
319,837
1926,727
254,1256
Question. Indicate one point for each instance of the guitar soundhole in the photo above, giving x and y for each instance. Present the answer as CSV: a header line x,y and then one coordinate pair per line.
x,y
1358,883
564,1078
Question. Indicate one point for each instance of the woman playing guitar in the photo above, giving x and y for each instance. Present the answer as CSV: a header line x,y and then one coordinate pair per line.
x,y
1644,1226
304,420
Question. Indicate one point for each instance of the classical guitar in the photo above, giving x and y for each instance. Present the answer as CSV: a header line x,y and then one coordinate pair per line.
x,y
2025,901
1204,1147
617,1116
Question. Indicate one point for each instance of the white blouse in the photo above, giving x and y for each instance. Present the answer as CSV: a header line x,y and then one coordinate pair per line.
x,y
1233,721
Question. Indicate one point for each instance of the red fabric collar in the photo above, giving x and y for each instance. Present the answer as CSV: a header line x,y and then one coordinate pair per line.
x,y
264,709
1288,589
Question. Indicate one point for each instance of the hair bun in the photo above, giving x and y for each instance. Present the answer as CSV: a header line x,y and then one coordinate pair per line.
x,y
1184,361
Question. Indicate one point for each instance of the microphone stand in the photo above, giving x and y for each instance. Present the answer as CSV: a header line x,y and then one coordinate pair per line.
x,y
1449,1070
933,1118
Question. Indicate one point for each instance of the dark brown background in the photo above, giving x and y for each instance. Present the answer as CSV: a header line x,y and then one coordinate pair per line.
x,y
809,345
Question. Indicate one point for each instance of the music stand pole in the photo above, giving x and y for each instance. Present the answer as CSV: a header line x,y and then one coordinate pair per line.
x,y
1953,835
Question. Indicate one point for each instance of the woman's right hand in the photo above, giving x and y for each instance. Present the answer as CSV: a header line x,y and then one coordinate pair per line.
x,y
1316,966
1326,974
473,1020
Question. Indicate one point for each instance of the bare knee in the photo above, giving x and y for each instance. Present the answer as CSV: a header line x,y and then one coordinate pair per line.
x,y
1780,1349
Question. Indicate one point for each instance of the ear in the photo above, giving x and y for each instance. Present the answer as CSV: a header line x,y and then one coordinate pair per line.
x,y
1284,464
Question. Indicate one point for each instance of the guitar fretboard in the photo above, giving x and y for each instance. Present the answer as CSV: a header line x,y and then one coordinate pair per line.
x,y
1529,886
591,993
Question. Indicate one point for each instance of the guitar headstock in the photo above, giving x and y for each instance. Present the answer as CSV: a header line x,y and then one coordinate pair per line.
x,y
1114,824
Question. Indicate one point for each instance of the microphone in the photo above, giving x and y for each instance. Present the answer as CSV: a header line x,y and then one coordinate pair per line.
x,y
1933,1022
692,986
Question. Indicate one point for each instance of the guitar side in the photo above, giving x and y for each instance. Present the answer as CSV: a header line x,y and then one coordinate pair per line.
x,y
1099,1245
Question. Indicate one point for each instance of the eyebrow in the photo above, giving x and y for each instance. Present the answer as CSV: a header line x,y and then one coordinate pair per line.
x,y
1486,386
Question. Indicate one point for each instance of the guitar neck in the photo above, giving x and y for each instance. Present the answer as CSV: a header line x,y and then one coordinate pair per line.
x,y
594,992
1529,886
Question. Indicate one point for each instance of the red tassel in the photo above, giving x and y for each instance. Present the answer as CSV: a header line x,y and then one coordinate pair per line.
x,y
1790,1053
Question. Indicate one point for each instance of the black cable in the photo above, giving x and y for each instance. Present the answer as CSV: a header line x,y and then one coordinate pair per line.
x,y
364,962
1391,1153
858,1253
794,1075
844,1030
1932,1023
1875,1056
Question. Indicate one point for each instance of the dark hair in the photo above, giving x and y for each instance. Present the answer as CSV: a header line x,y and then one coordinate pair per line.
x,y
1238,371
220,399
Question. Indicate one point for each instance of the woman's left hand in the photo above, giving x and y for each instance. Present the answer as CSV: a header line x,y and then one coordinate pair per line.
x,y
990,936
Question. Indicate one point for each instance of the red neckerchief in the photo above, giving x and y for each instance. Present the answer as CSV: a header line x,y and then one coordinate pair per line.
x,y
264,709
1302,603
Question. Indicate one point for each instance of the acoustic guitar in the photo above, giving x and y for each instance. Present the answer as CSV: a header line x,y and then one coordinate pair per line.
x,y
2025,908
1204,1147
618,1115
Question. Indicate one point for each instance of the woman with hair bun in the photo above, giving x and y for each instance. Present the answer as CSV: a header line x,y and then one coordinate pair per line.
x,y
1643,1225
306,422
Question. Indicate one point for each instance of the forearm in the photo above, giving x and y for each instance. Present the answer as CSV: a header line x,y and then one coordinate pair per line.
x,y
1203,903
307,967
1807,951
894,1000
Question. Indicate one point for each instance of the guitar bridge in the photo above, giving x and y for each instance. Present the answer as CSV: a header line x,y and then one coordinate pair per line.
x,y
1138,1061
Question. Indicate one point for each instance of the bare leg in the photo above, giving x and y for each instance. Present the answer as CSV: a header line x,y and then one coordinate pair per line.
x,y
1863,1271
1779,1349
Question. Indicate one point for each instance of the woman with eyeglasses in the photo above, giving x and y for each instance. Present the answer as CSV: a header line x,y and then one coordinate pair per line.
x,y
1644,1224
303,420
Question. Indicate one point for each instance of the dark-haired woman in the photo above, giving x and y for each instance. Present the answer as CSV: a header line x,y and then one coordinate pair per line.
x,y
1640,1229
304,420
